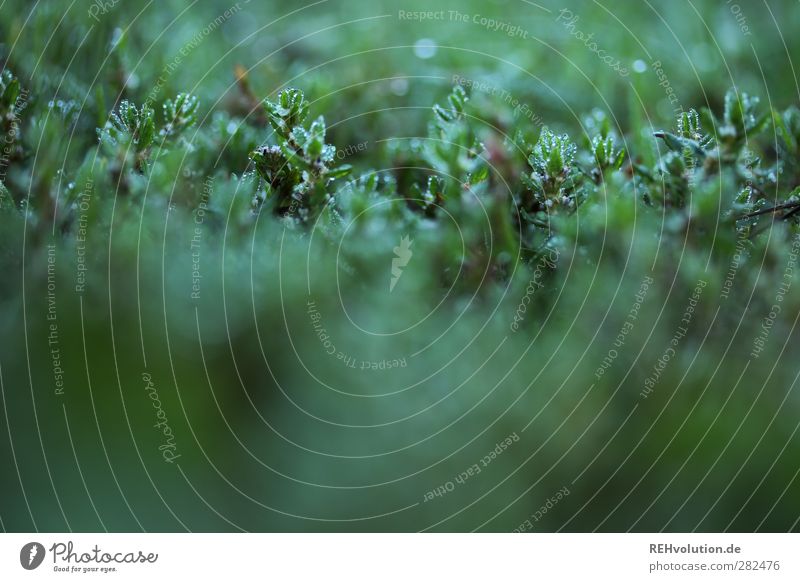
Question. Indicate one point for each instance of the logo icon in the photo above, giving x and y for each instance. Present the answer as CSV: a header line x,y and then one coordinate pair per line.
x,y
31,555
402,256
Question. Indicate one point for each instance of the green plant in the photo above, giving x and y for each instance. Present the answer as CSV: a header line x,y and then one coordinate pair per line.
x,y
299,170
132,131
9,124
130,127
179,115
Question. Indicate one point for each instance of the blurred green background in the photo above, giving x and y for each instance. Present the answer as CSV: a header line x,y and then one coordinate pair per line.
x,y
276,434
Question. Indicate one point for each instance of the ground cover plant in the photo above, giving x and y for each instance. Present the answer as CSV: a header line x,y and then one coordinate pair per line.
x,y
429,272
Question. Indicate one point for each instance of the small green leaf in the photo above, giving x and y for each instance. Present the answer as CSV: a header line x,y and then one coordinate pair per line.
x,y
671,140
340,171
479,175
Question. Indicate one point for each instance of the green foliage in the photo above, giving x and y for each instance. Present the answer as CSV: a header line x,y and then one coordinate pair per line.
x,y
6,203
299,171
131,131
9,123
552,180
289,112
444,165
132,125
9,91
179,115
740,120
451,171
562,210
788,155
130,128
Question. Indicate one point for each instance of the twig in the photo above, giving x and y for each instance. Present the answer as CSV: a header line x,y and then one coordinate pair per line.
x,y
792,212
795,205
